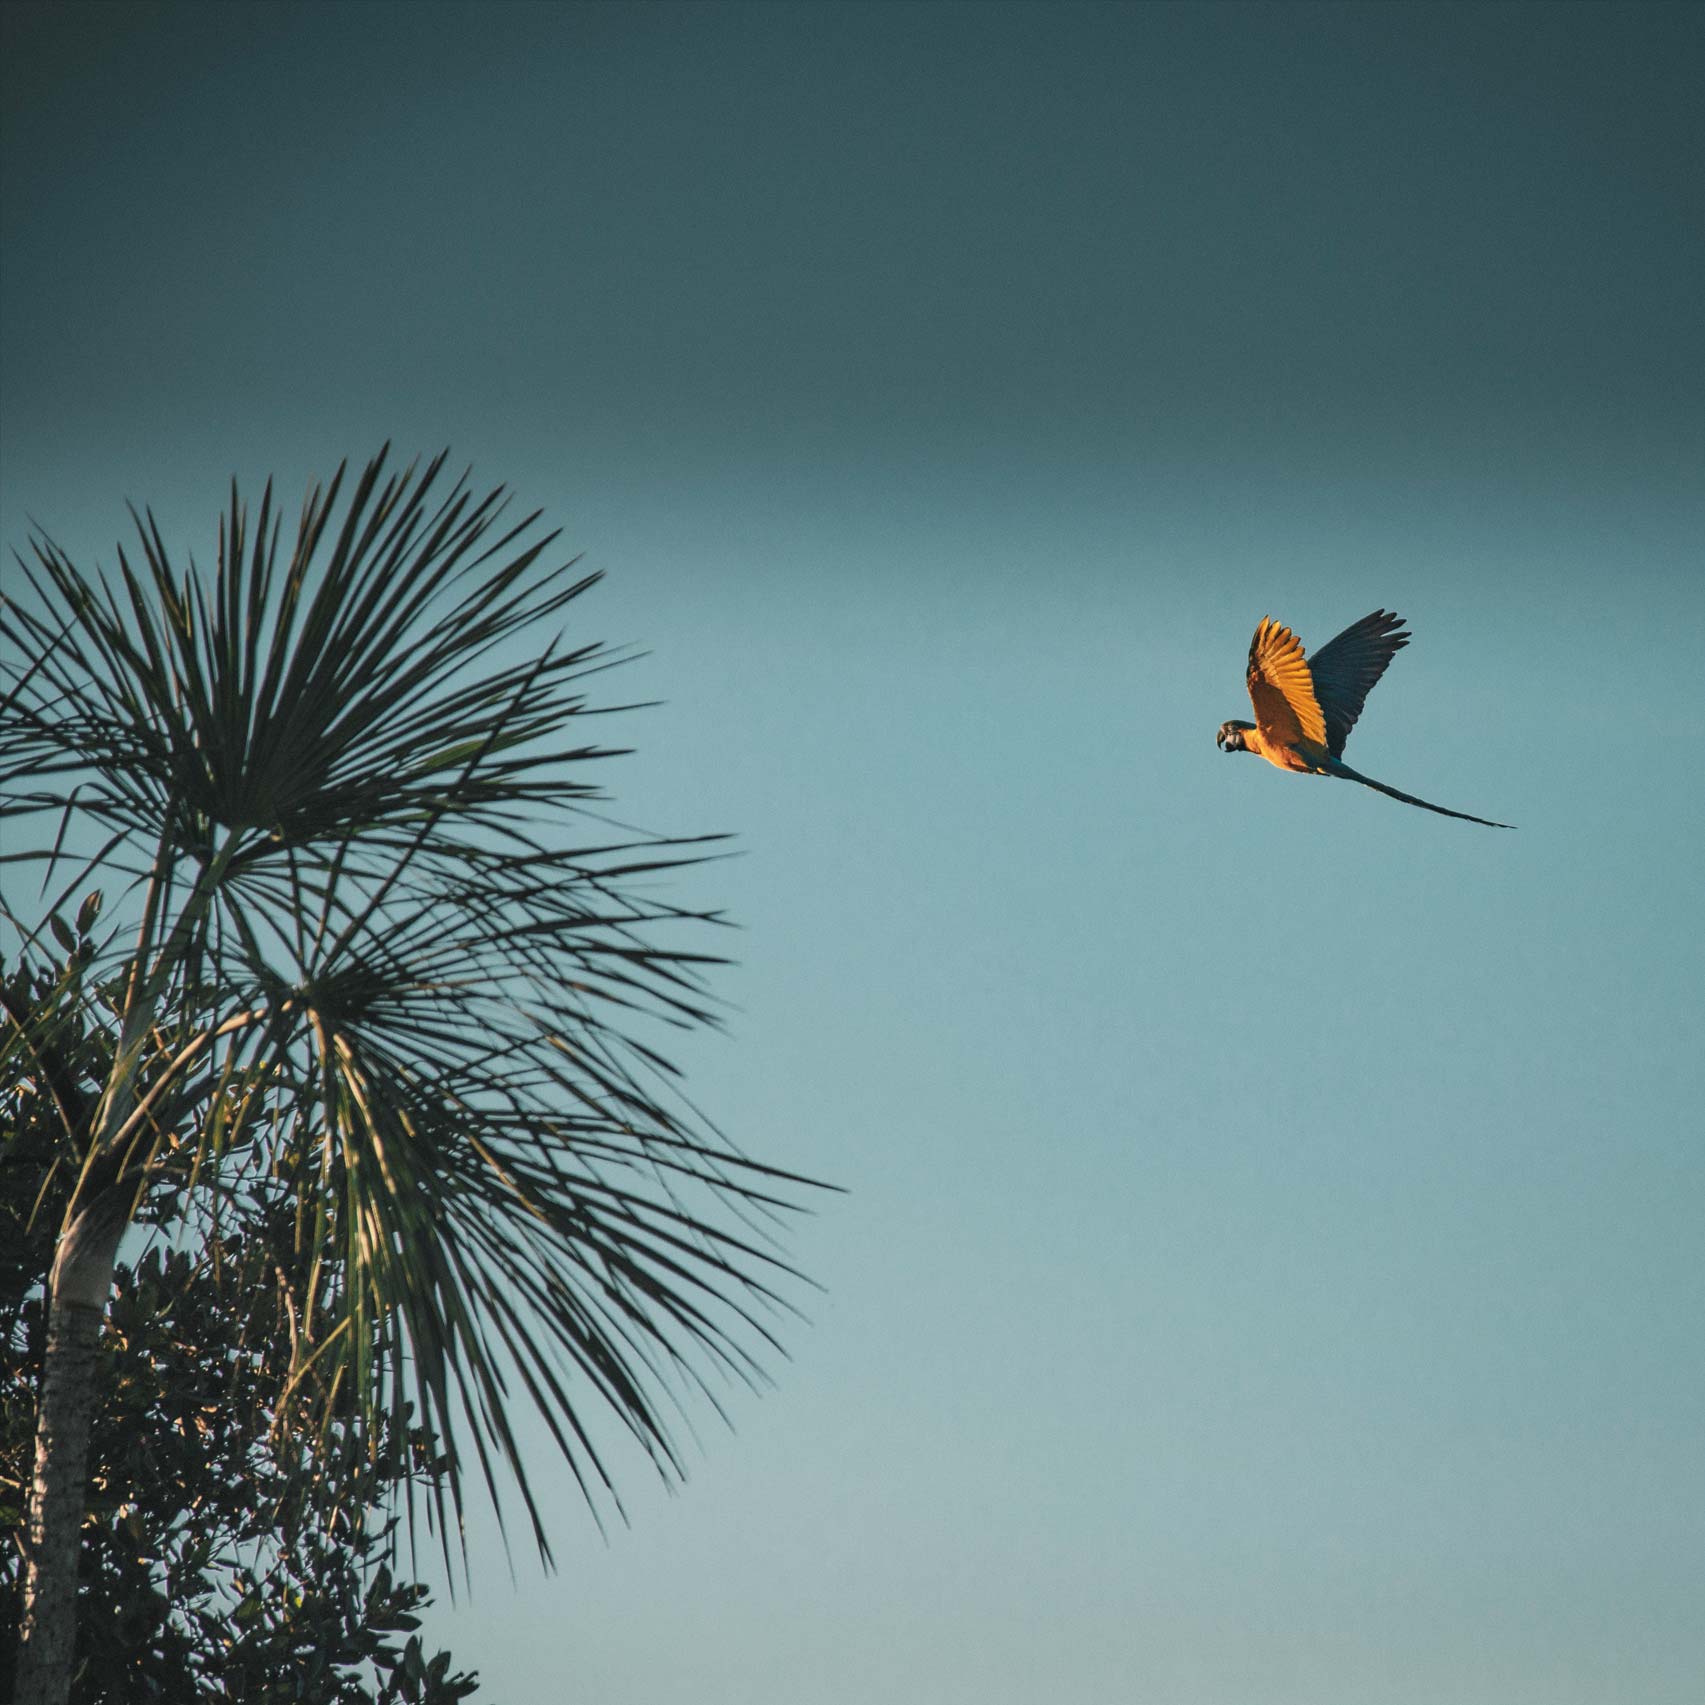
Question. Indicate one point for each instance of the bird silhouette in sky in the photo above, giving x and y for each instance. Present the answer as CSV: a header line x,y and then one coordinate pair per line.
x,y
1304,710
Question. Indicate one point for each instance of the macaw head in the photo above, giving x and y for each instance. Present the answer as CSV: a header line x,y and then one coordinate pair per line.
x,y
1230,736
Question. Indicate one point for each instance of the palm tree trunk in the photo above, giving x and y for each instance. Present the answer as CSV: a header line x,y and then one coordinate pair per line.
x,y
70,1389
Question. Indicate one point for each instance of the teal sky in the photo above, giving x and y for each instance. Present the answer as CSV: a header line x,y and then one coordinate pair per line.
x,y
1270,1273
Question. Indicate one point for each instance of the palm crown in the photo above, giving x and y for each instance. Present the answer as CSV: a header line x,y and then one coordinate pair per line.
x,y
376,974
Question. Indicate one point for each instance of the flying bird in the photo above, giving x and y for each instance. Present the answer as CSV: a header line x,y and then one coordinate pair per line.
x,y
1304,710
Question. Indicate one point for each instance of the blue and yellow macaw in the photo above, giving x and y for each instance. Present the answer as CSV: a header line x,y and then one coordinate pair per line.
x,y
1304,711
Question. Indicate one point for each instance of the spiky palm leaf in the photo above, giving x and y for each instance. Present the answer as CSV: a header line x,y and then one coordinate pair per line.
x,y
381,970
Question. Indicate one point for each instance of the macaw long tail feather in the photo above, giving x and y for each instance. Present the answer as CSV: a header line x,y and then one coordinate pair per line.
x,y
1334,768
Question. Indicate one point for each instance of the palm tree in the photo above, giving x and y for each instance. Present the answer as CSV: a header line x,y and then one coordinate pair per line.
x,y
376,973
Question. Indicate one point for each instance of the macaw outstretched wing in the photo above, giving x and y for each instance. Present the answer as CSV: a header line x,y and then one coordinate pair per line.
x,y
1346,668
1281,688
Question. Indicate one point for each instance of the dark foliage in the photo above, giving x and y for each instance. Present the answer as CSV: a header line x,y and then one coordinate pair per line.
x,y
222,1558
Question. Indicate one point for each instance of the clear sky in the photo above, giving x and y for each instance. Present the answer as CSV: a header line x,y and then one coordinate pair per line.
x,y
1271,1271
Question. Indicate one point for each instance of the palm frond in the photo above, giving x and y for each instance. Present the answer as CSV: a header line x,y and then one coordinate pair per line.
x,y
393,974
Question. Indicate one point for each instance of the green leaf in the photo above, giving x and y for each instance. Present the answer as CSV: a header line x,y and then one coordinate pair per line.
x,y
88,912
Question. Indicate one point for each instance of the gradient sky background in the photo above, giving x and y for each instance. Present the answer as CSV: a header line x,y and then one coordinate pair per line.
x,y
1271,1265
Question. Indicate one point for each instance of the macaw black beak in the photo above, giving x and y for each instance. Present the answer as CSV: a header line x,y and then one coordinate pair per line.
x,y
1219,740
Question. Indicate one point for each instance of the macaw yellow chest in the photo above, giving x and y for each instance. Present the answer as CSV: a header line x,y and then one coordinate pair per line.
x,y
1304,757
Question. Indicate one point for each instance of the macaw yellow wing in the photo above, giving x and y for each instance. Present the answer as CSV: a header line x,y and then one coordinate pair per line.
x,y
1346,668
1281,688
